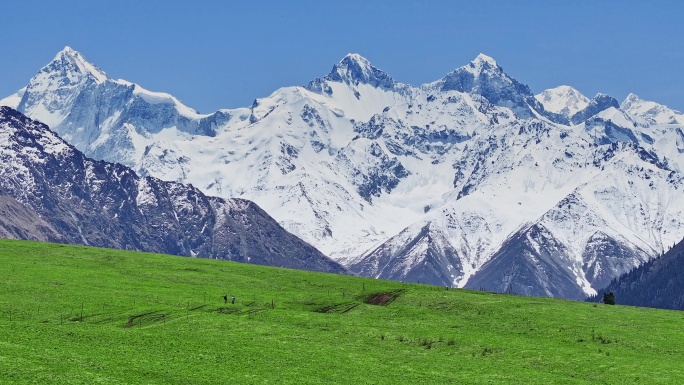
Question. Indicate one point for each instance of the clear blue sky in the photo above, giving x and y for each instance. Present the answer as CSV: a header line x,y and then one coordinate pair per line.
x,y
223,54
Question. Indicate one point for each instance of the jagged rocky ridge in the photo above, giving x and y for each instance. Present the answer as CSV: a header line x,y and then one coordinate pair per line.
x,y
437,183
50,191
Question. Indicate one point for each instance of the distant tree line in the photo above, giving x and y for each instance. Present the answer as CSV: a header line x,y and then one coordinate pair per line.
x,y
657,283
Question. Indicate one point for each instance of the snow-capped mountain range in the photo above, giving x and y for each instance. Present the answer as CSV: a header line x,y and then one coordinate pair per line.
x,y
471,180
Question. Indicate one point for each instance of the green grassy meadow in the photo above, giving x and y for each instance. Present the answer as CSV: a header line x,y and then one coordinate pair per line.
x,y
80,315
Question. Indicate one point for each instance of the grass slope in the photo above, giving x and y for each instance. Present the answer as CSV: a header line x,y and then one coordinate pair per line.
x,y
79,315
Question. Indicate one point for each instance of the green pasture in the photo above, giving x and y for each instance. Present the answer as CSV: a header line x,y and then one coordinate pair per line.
x,y
80,315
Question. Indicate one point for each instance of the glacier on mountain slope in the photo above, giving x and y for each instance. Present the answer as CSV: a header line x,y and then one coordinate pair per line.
x,y
423,183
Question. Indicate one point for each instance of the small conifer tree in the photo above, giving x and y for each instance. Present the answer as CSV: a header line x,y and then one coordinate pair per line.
x,y
609,298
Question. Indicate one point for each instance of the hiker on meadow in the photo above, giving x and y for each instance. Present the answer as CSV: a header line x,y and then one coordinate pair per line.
x,y
232,300
225,298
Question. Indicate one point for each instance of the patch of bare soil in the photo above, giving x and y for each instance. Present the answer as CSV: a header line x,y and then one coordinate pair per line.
x,y
383,299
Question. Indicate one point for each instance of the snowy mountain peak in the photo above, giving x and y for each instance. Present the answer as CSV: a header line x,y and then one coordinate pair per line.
x,y
68,51
630,100
563,100
485,77
482,72
483,64
354,69
604,101
483,61
601,95
67,95
58,84
652,112
355,59
71,60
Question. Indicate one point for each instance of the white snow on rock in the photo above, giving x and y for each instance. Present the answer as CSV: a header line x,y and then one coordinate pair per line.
x,y
563,100
13,100
652,112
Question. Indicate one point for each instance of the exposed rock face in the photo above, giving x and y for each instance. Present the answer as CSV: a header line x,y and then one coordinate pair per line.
x,y
20,222
599,103
67,197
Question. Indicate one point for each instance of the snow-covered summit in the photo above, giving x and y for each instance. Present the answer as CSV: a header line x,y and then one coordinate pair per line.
x,y
354,69
484,76
353,63
483,62
631,100
57,84
651,111
563,100
105,118
71,60
354,88
467,78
